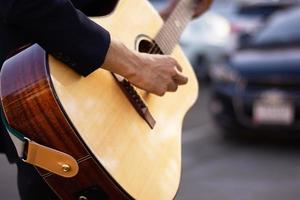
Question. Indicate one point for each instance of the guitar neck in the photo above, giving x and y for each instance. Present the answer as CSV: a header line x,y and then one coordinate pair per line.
x,y
169,35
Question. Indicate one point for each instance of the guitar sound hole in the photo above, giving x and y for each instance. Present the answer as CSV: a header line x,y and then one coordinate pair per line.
x,y
147,46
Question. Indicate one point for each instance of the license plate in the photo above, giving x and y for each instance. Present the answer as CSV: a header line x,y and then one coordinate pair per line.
x,y
280,113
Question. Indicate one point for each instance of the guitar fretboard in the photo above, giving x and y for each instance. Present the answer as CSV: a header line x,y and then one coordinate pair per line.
x,y
169,35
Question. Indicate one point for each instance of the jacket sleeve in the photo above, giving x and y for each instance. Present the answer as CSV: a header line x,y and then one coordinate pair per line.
x,y
95,7
61,30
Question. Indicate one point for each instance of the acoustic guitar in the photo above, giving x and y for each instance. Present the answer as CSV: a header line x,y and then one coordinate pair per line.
x,y
102,137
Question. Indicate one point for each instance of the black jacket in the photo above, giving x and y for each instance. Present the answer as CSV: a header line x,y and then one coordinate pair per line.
x,y
59,28
63,31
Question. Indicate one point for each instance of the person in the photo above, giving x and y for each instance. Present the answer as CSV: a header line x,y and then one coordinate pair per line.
x,y
63,29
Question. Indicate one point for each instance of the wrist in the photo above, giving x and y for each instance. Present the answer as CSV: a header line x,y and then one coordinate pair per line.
x,y
121,60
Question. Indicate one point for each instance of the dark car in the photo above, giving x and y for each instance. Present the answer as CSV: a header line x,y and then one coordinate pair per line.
x,y
250,16
259,86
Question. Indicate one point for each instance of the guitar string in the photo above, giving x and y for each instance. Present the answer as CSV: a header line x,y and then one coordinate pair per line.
x,y
160,45
155,47
182,16
172,30
168,46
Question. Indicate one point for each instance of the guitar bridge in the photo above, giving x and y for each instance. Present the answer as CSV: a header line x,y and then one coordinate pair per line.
x,y
135,100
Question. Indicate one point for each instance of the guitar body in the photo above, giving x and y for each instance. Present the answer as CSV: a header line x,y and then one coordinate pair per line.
x,y
90,118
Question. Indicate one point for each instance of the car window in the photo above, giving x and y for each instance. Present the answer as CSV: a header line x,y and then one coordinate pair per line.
x,y
282,28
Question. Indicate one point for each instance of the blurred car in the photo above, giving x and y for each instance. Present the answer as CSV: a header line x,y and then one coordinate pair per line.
x,y
259,86
249,16
205,40
158,4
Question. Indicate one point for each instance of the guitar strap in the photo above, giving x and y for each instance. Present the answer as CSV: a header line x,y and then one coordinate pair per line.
x,y
41,156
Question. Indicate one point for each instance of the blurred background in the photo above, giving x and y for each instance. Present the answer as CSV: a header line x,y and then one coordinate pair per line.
x,y
240,140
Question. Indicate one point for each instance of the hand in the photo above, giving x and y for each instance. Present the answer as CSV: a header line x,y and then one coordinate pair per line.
x,y
199,8
157,74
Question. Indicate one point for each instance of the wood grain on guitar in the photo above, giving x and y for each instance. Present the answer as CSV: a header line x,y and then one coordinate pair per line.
x,y
91,119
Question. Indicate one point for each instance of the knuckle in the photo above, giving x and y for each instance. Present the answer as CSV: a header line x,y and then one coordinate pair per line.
x,y
175,61
174,72
172,60
171,71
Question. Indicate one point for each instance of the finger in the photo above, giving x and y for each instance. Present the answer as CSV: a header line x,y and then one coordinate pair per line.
x,y
178,67
172,87
180,79
160,91
201,6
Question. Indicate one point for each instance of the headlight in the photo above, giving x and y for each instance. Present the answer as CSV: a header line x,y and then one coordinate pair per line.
x,y
224,74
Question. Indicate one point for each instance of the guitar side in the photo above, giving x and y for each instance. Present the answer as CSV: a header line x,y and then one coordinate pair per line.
x,y
31,107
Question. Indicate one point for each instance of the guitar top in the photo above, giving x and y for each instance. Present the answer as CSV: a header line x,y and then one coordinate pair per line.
x,y
126,141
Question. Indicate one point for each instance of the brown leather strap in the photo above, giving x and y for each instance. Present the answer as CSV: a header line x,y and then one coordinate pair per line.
x,y
51,160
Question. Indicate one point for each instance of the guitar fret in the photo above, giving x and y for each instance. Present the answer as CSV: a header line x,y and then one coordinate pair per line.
x,y
169,35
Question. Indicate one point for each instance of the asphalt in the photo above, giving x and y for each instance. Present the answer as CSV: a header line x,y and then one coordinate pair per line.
x,y
260,166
